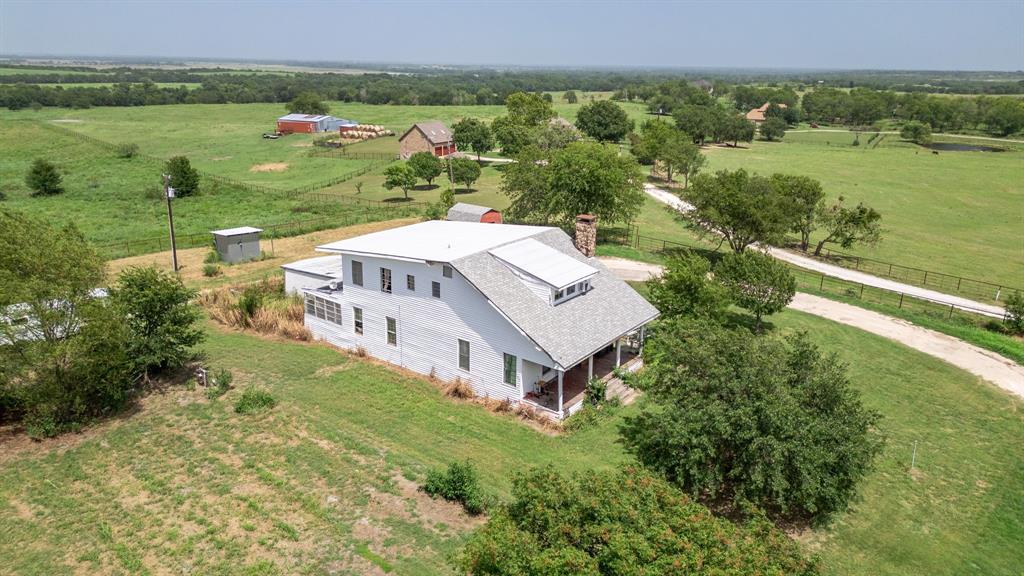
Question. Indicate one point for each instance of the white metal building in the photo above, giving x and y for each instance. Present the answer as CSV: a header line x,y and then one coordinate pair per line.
x,y
516,311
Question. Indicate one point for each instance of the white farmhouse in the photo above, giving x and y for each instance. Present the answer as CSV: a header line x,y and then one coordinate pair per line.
x,y
516,311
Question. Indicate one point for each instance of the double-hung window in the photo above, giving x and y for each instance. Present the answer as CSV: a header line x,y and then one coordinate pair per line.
x,y
464,355
357,272
410,282
435,289
357,320
392,332
385,280
509,376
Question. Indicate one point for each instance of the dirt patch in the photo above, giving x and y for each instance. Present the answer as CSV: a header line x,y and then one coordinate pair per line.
x,y
269,167
220,158
303,145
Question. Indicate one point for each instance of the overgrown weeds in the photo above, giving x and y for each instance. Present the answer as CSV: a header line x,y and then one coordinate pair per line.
x,y
262,307
254,400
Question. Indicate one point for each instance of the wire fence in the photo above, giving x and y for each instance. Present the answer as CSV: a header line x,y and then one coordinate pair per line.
x,y
808,280
128,248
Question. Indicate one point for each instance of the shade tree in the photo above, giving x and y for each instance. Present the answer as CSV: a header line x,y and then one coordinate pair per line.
x,y
757,282
426,166
399,176
846,226
604,121
473,134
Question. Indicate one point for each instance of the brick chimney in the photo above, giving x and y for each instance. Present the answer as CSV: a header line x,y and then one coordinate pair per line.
x,y
586,234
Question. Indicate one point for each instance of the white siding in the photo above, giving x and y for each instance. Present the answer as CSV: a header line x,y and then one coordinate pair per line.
x,y
537,286
429,328
295,282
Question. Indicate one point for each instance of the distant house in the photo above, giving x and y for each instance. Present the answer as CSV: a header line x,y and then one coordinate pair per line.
x,y
516,312
757,114
433,137
462,212
312,123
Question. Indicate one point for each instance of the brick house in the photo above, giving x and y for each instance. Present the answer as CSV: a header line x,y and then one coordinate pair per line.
x,y
432,137
757,115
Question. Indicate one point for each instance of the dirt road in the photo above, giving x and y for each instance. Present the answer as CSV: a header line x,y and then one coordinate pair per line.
x,y
990,366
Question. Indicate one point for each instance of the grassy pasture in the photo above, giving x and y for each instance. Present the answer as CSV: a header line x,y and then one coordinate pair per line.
x,y
323,482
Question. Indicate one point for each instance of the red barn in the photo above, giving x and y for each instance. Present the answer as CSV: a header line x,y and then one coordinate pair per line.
x,y
462,212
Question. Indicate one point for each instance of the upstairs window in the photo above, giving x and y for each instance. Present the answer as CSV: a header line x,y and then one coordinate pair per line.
x,y
464,355
435,289
410,282
392,332
446,271
385,280
357,272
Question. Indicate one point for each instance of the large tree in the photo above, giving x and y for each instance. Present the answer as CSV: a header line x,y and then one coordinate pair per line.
x,y
741,418
465,171
700,122
773,129
804,196
660,142
583,177
688,289
426,166
916,132
621,523
848,226
529,110
740,208
308,102
399,176
473,134
734,129
184,178
604,121
757,282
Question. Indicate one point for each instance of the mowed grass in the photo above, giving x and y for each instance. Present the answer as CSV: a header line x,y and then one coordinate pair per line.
x,y
960,213
326,481
112,199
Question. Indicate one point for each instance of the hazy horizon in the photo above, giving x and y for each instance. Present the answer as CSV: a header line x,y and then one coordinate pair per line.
x,y
741,35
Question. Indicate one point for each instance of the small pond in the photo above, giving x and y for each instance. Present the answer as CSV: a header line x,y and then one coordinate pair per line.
x,y
960,147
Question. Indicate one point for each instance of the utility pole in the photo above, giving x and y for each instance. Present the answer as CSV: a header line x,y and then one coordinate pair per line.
x,y
169,193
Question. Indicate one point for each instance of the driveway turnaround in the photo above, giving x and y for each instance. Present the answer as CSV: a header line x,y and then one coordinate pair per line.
x,y
834,271
990,366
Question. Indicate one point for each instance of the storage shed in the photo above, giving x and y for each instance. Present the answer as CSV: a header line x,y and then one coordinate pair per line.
x,y
237,244
312,273
311,123
462,212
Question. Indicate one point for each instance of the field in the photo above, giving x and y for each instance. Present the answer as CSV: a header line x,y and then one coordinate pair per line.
x,y
326,481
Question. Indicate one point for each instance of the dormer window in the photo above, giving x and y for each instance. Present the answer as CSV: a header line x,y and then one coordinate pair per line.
x,y
571,291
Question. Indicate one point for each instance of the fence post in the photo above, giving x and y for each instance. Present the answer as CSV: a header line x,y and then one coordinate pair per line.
x,y
901,301
958,280
925,278
950,317
890,270
821,285
861,297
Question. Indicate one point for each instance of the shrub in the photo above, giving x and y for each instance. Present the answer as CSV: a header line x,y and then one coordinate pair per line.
x,y
597,389
219,383
620,522
43,179
212,257
1015,313
128,150
589,416
250,301
254,400
211,270
459,483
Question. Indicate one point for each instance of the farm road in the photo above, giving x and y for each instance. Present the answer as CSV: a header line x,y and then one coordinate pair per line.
x,y
807,263
987,365
967,136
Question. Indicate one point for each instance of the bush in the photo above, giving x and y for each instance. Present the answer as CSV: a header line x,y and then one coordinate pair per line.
x,y
130,150
740,418
211,270
212,257
219,383
459,483
1015,313
184,178
254,400
43,179
597,389
619,523
250,301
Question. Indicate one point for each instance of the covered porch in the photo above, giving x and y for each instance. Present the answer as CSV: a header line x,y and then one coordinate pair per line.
x,y
561,392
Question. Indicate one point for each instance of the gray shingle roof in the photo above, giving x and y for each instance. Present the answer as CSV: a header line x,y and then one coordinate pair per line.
x,y
462,212
574,329
436,132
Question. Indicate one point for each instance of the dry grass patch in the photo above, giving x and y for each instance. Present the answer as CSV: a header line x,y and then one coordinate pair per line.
x,y
269,167
262,307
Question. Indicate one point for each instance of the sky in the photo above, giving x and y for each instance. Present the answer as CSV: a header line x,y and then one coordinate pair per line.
x,y
968,35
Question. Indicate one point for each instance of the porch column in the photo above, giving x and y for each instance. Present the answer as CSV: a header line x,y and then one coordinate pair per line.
x,y
642,338
561,375
618,352
590,368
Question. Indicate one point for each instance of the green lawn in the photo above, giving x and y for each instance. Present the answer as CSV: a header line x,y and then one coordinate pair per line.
x,y
116,200
954,212
321,483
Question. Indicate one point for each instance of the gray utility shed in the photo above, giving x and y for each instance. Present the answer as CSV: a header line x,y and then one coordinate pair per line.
x,y
237,244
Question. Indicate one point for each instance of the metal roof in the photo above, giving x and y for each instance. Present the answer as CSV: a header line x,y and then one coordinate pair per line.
x,y
236,231
304,117
467,212
567,332
327,267
545,263
434,240
435,131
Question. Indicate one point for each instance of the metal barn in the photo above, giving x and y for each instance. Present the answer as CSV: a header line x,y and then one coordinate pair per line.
x,y
237,244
